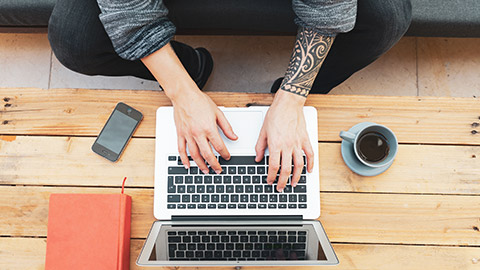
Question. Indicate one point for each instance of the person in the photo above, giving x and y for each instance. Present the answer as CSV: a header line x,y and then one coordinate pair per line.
x,y
335,39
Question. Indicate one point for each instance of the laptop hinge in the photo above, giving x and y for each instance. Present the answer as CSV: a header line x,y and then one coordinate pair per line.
x,y
234,218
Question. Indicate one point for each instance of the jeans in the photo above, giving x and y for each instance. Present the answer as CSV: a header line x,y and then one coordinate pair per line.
x,y
81,44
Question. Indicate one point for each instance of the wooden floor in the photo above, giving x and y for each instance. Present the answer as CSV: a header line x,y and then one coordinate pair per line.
x,y
423,213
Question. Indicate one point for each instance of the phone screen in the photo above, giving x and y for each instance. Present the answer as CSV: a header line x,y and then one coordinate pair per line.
x,y
117,132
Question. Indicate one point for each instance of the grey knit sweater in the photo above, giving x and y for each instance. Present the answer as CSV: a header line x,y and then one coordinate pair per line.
x,y
138,28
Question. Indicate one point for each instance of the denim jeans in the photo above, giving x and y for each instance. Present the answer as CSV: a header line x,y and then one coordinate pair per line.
x,y
80,42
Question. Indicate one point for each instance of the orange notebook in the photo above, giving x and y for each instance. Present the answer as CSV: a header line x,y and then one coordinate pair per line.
x,y
88,231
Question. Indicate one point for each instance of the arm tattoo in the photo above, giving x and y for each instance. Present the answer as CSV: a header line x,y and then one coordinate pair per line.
x,y
310,50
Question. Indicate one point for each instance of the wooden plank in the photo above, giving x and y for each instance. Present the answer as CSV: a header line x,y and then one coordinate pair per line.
x,y
347,217
69,161
29,253
83,112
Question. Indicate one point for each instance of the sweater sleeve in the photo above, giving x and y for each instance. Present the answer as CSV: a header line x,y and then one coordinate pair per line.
x,y
328,17
137,28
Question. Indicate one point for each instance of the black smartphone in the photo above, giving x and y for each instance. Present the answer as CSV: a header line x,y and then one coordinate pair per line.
x,y
116,133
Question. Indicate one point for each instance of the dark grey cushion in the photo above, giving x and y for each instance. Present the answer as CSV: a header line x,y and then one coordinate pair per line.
x,y
445,18
25,12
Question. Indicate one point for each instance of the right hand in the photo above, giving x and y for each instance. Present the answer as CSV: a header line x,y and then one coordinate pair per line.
x,y
196,119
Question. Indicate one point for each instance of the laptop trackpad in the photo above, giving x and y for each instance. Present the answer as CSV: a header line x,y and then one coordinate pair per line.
x,y
247,125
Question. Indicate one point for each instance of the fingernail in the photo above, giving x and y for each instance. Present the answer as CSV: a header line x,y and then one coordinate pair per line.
x,y
205,171
186,167
218,171
294,184
280,190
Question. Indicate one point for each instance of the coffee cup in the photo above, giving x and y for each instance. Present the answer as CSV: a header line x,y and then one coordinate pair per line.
x,y
374,145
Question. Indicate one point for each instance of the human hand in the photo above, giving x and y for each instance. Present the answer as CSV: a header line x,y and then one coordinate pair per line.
x,y
196,124
284,132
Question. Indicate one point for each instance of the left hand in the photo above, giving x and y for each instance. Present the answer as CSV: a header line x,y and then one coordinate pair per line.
x,y
284,132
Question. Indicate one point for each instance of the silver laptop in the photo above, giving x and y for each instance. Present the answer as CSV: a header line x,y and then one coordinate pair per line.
x,y
234,218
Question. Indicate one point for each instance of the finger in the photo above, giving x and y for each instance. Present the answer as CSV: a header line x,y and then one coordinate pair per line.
x,y
261,146
219,146
227,129
208,155
307,148
182,150
285,170
297,167
195,154
273,165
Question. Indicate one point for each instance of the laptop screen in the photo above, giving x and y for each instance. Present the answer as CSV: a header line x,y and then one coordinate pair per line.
x,y
230,243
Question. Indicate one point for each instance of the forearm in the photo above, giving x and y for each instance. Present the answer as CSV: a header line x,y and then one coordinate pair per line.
x,y
309,52
169,72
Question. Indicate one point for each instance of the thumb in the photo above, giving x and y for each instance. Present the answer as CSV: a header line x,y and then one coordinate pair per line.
x,y
261,146
225,126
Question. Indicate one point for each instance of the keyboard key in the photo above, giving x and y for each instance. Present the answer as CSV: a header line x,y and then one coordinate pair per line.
x,y
268,188
256,179
302,239
210,189
261,170
232,170
258,189
172,158
303,179
262,206
207,179
222,206
239,189
220,188
196,239
242,170
202,206
244,198
181,206
287,189
178,179
273,198
237,179
249,189
200,189
215,198
181,189
227,179
171,206
251,170
264,179
172,189
237,160
232,206
282,198
191,206
205,198
282,206
193,170
195,198
292,205
242,206
292,198
174,239
173,198
272,206
252,206
298,246
282,239
186,198
217,179
234,198
247,179
177,170
300,189
253,198
263,198
190,189
302,205
188,179
198,179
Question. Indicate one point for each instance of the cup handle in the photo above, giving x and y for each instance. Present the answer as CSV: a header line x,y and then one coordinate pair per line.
x,y
347,136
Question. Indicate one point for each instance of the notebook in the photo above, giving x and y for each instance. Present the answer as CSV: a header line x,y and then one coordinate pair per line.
x,y
88,231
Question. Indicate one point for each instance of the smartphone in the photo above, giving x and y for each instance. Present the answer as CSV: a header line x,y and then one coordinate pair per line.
x,y
116,133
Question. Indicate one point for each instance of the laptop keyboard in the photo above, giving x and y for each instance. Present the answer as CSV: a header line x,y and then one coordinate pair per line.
x,y
237,245
241,185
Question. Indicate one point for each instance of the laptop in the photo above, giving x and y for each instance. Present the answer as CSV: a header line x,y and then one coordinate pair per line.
x,y
234,218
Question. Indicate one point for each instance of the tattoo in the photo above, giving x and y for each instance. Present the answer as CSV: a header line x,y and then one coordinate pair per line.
x,y
310,50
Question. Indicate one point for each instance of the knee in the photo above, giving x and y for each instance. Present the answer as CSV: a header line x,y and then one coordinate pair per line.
x,y
72,45
390,18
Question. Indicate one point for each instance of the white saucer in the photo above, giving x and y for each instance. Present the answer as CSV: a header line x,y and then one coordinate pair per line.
x,y
351,159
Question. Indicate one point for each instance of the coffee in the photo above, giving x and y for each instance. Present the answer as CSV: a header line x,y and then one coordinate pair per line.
x,y
373,147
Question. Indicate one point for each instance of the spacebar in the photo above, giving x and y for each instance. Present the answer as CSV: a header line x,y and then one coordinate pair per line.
x,y
238,160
